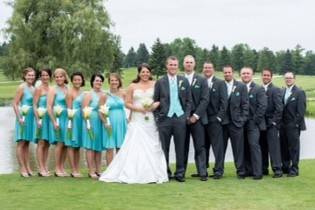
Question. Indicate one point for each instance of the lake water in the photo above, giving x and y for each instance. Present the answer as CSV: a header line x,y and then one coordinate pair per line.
x,y
8,162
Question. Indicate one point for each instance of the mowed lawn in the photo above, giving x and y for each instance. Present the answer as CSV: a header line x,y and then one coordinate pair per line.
x,y
228,193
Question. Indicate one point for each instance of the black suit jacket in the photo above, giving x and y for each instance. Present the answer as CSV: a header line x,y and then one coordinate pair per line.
x,y
238,105
218,100
294,109
200,97
257,106
162,94
274,106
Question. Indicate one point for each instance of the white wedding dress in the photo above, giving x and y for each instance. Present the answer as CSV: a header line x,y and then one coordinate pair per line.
x,y
140,159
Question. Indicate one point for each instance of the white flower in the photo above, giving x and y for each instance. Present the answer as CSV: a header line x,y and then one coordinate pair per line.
x,y
104,109
57,110
87,112
41,112
24,109
71,113
147,102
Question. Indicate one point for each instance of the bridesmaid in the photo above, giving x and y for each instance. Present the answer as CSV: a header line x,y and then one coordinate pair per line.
x,y
74,103
42,118
25,121
58,125
92,139
117,116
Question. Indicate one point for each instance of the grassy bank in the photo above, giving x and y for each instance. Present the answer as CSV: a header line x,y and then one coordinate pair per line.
x,y
227,193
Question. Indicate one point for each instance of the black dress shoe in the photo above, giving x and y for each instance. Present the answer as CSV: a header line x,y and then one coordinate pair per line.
x,y
180,179
195,175
217,176
265,172
292,174
241,176
257,177
277,175
170,177
211,175
204,178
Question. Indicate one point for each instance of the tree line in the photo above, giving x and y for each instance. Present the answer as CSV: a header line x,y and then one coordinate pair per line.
x,y
296,60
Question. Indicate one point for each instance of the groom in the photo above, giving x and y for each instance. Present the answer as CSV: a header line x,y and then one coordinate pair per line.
x,y
173,93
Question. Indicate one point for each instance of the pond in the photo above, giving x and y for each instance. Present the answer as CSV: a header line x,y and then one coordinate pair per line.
x,y
8,163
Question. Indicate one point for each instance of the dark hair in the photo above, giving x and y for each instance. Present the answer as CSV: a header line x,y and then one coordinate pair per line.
x,y
267,69
47,70
80,75
228,66
140,67
26,70
94,76
172,57
117,76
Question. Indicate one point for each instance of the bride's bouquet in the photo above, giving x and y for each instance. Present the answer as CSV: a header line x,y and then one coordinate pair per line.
x,y
86,115
40,112
58,110
71,113
24,111
147,103
104,109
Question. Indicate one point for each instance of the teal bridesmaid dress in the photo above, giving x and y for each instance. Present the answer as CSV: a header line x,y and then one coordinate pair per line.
x,y
118,121
54,137
96,143
43,132
27,131
76,137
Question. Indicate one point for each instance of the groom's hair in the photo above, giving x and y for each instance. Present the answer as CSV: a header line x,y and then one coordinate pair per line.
x,y
172,58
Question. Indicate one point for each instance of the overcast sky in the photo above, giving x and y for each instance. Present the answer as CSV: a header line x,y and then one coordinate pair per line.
x,y
277,24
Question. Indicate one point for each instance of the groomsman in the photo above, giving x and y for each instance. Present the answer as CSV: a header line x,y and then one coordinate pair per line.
x,y
269,138
173,93
254,124
197,118
293,122
235,118
215,111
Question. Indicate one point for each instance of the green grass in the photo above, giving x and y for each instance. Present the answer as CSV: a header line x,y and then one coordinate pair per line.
x,y
227,193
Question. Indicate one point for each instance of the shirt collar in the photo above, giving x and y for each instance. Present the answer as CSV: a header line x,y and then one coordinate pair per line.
x,y
289,88
230,82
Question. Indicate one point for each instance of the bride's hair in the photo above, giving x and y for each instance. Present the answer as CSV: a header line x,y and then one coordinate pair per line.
x,y
140,67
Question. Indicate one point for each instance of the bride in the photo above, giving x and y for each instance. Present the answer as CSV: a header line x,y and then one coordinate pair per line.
x,y
141,158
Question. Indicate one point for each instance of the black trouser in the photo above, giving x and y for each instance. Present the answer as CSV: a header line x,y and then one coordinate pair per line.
x,y
214,138
236,136
198,135
252,153
290,148
270,146
176,127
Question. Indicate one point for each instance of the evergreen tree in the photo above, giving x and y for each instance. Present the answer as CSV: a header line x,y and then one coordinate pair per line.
x,y
142,54
158,58
130,59
266,59
225,58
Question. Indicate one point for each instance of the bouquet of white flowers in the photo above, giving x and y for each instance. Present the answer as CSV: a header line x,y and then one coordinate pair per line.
x,y
24,111
86,115
58,110
71,113
147,103
40,112
104,109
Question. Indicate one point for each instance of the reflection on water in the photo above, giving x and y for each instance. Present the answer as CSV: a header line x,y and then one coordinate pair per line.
x,y
8,163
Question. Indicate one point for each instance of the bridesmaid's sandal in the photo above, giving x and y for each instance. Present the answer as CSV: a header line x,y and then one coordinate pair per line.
x,y
24,175
43,174
59,174
76,175
30,173
93,176
97,174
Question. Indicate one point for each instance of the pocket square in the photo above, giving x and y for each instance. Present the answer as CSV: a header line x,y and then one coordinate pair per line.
x,y
237,94
196,86
293,99
182,88
251,96
213,90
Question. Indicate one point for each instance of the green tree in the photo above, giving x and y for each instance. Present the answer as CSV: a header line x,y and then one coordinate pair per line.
x,y
214,56
158,58
142,54
202,56
118,56
237,54
225,58
53,33
297,59
287,64
266,59
130,59
309,63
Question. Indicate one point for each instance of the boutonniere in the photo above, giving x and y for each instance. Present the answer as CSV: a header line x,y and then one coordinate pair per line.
x,y
233,89
237,93
251,96
180,83
213,90
194,81
293,98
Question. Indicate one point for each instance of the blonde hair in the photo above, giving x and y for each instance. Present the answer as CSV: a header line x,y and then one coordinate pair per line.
x,y
63,73
25,72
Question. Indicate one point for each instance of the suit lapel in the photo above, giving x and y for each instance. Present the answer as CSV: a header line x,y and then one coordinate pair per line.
x,y
292,95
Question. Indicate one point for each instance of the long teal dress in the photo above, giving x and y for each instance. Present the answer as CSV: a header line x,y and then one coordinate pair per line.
x,y
43,132
118,121
61,135
27,131
96,143
76,137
